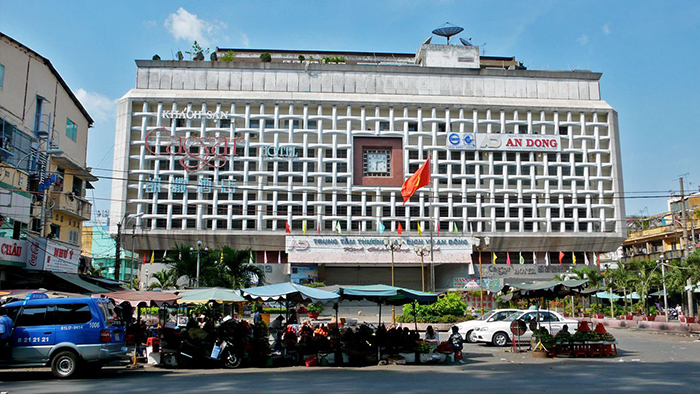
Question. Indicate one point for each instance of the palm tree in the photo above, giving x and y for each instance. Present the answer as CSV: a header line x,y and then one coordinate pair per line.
x,y
682,271
621,277
184,262
165,279
645,278
595,278
237,269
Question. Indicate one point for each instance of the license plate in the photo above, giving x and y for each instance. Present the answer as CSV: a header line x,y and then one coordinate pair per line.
x,y
117,337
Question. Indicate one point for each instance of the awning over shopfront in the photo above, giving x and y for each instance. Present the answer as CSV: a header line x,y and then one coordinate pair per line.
x,y
547,289
383,294
289,292
141,298
79,282
215,294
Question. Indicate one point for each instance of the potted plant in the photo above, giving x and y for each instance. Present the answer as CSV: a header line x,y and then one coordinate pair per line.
x,y
685,319
314,310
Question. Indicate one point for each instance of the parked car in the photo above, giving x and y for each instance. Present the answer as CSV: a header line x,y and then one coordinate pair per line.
x,y
499,334
67,334
466,328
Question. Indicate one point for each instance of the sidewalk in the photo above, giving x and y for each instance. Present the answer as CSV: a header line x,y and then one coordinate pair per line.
x,y
672,326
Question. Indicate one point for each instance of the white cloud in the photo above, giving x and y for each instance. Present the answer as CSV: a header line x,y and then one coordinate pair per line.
x,y
246,41
606,29
583,40
189,27
100,108
149,23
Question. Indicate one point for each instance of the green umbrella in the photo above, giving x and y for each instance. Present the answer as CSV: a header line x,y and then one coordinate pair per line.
x,y
217,294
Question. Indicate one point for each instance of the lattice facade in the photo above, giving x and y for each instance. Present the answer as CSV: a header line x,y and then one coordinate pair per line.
x,y
292,158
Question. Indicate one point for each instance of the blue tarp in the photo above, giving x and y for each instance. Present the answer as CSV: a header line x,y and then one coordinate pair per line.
x,y
289,292
388,295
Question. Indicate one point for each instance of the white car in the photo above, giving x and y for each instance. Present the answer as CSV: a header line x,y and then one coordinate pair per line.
x,y
466,328
498,333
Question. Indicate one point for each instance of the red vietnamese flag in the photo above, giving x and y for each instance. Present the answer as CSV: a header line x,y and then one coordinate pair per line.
x,y
145,256
416,181
508,258
561,256
400,229
286,227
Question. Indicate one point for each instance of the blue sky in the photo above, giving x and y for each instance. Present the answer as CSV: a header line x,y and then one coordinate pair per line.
x,y
646,50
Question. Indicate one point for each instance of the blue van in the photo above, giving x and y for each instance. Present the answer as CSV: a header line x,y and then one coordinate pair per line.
x,y
67,334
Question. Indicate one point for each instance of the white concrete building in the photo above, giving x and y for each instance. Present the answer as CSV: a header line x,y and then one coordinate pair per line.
x,y
231,152
43,170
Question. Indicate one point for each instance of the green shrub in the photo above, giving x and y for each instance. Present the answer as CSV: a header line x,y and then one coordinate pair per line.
x,y
228,56
315,308
265,57
315,284
448,309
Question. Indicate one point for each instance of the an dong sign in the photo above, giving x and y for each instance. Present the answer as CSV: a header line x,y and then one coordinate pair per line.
x,y
210,152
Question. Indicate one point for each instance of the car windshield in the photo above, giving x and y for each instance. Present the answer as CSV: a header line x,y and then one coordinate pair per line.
x,y
486,316
512,317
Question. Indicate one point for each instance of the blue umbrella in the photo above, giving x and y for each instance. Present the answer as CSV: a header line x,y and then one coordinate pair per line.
x,y
607,296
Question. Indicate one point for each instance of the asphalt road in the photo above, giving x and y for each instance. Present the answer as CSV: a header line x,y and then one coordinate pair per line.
x,y
647,362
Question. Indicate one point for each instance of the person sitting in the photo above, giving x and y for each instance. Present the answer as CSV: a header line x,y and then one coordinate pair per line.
x,y
431,336
457,342
565,328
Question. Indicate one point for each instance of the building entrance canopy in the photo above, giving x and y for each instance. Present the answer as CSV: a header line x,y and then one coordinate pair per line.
x,y
371,250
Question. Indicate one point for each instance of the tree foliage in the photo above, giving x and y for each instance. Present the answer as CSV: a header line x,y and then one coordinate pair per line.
x,y
224,267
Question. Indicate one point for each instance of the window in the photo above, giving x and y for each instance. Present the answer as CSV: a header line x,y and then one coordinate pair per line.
x,y
110,314
73,237
2,75
72,314
71,129
41,124
32,315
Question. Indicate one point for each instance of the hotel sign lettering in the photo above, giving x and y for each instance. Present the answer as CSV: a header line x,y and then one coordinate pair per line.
x,y
371,250
518,142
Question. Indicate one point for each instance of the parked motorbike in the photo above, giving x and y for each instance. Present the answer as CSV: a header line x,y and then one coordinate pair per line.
x,y
672,314
217,350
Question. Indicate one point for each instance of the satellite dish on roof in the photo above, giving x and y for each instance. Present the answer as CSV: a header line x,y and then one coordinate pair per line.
x,y
466,43
448,30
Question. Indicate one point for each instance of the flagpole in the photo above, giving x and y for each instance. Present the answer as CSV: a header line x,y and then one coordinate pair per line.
x,y
432,246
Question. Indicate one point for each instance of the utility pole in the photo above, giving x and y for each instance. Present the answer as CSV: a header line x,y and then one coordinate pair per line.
x,y
684,245
131,263
117,254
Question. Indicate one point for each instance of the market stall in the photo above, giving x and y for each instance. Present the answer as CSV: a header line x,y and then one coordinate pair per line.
x,y
139,332
390,346
584,342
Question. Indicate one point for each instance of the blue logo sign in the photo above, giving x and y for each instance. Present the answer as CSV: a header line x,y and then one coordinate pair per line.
x,y
461,141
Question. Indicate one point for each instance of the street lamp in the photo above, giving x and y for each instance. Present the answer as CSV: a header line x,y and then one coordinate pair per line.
x,y
663,277
480,247
199,249
422,251
393,244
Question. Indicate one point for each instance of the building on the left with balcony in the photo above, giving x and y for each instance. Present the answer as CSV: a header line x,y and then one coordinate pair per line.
x,y
43,170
